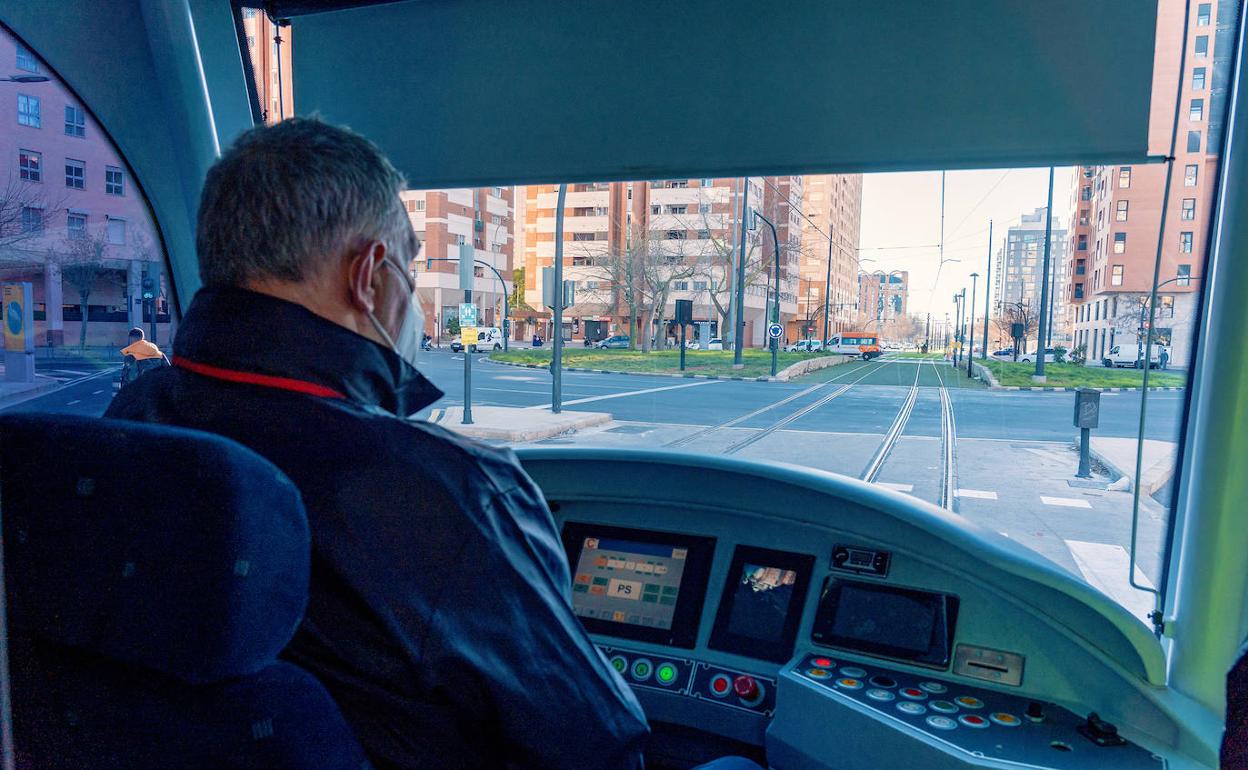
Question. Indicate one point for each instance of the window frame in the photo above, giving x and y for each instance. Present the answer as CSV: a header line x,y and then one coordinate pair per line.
x,y
1122,210
73,182
1187,212
75,121
25,170
26,116
1120,243
120,184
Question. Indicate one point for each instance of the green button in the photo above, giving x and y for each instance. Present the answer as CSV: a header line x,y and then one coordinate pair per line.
x,y
641,669
619,663
665,673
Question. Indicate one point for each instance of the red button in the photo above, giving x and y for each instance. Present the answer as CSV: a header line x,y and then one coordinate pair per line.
x,y
914,692
745,687
720,685
973,720
823,662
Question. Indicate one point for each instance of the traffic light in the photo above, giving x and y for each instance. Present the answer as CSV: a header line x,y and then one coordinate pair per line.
x,y
149,289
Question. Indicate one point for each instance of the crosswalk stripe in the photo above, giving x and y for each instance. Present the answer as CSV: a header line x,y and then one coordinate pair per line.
x,y
895,486
1067,502
978,494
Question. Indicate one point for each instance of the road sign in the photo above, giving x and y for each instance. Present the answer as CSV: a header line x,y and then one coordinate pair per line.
x,y
19,332
467,314
468,335
775,331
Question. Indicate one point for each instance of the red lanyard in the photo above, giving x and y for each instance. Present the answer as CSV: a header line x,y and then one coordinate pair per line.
x,y
263,380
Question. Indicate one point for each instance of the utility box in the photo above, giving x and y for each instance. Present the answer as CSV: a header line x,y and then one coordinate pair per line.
x,y
684,311
1087,407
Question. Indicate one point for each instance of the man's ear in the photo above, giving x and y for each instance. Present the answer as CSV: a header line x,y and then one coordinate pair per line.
x,y
361,271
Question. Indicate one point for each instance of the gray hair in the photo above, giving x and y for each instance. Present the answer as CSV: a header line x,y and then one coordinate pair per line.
x,y
287,199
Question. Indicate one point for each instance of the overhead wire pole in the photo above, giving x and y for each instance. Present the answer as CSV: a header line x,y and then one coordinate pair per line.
x,y
827,284
983,354
970,326
739,336
556,310
1044,285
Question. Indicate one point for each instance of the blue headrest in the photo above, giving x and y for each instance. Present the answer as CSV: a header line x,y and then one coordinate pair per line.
x,y
161,547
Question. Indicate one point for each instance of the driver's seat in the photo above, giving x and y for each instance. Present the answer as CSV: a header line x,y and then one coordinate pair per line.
x,y
152,575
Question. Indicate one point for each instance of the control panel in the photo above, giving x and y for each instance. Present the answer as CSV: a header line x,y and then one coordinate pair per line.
x,y
730,688
980,724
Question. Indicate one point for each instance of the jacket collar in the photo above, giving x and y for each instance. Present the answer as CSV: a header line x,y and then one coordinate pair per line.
x,y
245,331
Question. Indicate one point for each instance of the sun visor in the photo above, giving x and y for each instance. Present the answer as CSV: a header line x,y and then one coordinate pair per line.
x,y
478,92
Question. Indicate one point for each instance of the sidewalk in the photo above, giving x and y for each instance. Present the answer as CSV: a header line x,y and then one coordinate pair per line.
x,y
16,392
1118,456
515,424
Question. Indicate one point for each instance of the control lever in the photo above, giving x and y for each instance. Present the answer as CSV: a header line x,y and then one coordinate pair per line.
x,y
1100,732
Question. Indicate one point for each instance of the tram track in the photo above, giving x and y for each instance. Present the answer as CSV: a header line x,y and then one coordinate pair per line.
x,y
711,429
872,471
948,440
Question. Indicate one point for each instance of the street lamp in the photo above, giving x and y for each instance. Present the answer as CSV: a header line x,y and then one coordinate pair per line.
x,y
24,78
970,358
775,312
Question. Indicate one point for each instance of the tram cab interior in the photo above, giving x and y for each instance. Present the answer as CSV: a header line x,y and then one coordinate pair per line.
x,y
802,619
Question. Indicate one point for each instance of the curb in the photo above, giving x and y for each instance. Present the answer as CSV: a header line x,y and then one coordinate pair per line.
x,y
993,384
687,376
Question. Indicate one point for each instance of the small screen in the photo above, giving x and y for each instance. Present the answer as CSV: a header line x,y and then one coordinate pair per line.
x,y
761,606
626,581
894,622
761,602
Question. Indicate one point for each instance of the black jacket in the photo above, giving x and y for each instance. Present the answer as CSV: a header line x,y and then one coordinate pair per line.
x,y
440,615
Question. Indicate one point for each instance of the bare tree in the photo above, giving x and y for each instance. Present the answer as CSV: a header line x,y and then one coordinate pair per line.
x,y
1016,313
82,265
23,212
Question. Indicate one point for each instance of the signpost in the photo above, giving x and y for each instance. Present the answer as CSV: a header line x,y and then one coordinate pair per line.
x,y
19,333
775,331
467,317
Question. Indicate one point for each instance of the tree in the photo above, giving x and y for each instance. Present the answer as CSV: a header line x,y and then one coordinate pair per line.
x,y
23,207
718,268
1016,313
82,264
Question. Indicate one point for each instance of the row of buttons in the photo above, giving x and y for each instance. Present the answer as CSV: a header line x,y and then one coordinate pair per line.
x,y
642,669
851,678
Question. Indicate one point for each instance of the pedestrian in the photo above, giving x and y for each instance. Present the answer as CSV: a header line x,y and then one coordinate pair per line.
x,y
139,357
1165,357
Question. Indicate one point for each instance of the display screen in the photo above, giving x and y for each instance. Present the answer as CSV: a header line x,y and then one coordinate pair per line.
x,y
900,623
626,581
762,603
638,584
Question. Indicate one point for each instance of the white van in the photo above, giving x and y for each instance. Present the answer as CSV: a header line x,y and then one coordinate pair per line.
x,y
1130,355
488,338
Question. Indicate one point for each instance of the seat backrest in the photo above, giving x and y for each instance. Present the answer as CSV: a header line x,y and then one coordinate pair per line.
x,y
152,576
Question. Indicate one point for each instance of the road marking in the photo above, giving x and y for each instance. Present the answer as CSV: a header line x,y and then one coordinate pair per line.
x,y
978,494
1067,502
75,401
895,487
1105,566
96,392
629,393
517,378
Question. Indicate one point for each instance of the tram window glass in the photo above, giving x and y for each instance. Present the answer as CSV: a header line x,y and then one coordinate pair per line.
x,y
83,246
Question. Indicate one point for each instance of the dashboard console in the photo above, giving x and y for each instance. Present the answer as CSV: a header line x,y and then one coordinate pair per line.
x,y
842,634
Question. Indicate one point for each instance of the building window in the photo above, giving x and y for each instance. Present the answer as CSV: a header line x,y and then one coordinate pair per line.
x,y
676,183
677,209
1202,46
656,209
680,285
1193,141
114,181
1081,267
75,121
1185,243
410,205
1120,211
75,174
459,240
676,235
704,208
1120,243
1202,14
1167,306
1124,176
420,205
1115,276
1198,79
1189,175
116,231
30,165
1189,209
28,111
704,235
1185,274
249,13
76,226
699,285
1085,194
707,182
1083,217
26,60
1196,112
32,219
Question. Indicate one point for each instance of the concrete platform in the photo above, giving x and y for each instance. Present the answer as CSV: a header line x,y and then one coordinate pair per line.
x,y
12,393
514,424
1118,456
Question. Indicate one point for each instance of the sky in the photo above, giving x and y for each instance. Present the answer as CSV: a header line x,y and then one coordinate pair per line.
x,y
901,225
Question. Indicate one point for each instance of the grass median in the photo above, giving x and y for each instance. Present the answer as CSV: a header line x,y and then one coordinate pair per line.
x,y
1011,374
717,363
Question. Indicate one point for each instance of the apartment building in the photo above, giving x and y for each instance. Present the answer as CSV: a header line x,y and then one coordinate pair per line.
x,y
1018,276
447,220
271,54
883,301
670,239
1117,209
832,222
72,221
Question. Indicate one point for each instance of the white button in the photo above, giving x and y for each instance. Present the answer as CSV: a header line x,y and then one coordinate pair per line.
x,y
852,671
935,688
941,723
878,694
910,707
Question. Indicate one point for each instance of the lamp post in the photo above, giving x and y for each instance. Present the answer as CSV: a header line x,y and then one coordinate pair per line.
x,y
775,310
957,324
24,78
970,358
827,285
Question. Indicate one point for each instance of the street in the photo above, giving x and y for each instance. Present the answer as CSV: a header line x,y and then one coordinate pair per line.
x,y
1002,459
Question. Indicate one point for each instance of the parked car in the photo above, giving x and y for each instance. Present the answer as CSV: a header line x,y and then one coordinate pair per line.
x,y
715,343
614,342
805,346
1005,354
457,346
1030,357
1129,355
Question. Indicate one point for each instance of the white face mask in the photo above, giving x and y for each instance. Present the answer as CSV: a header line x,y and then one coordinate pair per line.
x,y
407,345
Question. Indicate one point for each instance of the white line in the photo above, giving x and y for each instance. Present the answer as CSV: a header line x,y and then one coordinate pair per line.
x,y
978,494
96,392
1068,502
1105,566
895,487
629,393
75,401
